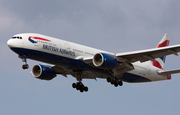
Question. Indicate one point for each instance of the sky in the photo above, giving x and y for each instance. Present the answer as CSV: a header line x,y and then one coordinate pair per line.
x,y
111,25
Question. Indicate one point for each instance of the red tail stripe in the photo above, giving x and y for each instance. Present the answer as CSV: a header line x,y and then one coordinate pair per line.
x,y
157,64
165,43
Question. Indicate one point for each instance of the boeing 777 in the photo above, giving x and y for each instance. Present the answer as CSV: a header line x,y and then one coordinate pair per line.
x,y
84,62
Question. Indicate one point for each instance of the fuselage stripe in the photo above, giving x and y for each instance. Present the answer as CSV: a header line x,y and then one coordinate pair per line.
x,y
37,38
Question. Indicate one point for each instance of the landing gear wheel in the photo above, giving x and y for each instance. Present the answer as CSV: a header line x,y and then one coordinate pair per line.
x,y
114,81
85,89
116,84
81,90
74,85
80,86
24,59
77,87
108,79
25,66
120,83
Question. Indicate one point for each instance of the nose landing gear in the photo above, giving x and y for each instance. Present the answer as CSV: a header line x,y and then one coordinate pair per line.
x,y
25,66
24,59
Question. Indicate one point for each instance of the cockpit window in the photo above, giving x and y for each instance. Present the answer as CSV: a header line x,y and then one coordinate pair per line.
x,y
16,37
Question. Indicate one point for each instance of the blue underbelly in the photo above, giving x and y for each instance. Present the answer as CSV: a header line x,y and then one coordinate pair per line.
x,y
75,65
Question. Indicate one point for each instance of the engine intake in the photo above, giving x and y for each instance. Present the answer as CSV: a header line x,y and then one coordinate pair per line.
x,y
43,72
105,61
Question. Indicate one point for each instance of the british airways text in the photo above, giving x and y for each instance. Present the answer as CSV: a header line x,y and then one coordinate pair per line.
x,y
55,49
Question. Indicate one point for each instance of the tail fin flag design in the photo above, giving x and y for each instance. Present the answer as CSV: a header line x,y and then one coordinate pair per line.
x,y
159,62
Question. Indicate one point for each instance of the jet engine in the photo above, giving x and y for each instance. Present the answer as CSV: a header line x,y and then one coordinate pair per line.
x,y
43,72
105,61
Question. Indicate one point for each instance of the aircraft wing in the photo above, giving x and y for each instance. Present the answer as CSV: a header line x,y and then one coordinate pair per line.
x,y
65,70
60,70
143,55
146,55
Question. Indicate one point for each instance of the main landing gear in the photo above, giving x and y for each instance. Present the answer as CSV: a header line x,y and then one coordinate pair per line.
x,y
114,81
79,86
24,59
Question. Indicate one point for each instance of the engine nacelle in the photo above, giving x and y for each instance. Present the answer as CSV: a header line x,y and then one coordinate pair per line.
x,y
105,61
43,72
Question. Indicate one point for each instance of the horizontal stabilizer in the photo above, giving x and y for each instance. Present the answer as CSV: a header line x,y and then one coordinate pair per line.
x,y
169,72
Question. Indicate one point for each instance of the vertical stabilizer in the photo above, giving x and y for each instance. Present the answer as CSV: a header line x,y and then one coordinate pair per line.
x,y
159,62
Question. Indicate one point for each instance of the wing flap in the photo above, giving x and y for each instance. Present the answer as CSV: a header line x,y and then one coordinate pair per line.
x,y
60,70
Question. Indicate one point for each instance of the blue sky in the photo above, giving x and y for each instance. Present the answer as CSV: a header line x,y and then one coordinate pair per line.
x,y
111,25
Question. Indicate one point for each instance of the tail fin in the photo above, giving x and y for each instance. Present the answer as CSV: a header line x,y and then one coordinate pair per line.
x,y
159,62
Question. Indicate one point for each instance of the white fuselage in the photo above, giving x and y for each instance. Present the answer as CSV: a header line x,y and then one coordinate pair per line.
x,y
56,47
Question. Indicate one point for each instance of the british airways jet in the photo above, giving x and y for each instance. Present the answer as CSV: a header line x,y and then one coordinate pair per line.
x,y
84,62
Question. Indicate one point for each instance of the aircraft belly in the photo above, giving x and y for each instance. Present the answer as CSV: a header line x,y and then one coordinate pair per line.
x,y
77,65
67,63
133,78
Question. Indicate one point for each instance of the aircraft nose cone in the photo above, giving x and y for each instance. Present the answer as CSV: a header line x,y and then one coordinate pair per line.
x,y
14,43
10,43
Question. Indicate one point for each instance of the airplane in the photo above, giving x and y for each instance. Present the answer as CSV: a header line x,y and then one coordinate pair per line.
x,y
82,62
